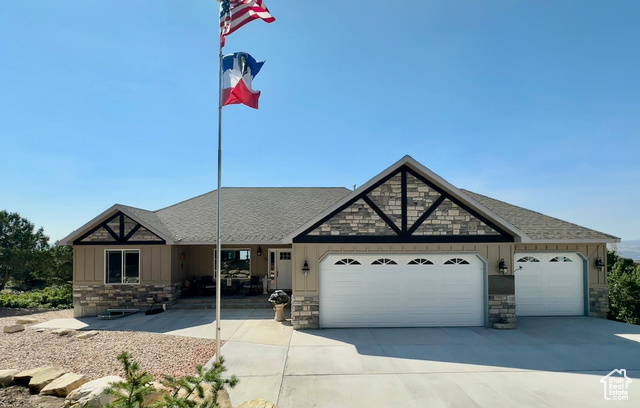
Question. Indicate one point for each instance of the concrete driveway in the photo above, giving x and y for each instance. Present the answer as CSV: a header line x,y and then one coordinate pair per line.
x,y
546,362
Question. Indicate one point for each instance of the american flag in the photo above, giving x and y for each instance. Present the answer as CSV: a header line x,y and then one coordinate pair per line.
x,y
236,13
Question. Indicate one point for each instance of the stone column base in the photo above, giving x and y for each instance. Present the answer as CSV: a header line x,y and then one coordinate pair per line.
x,y
599,302
305,312
502,310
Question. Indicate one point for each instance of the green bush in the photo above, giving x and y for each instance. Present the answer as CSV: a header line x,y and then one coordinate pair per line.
x,y
624,289
57,297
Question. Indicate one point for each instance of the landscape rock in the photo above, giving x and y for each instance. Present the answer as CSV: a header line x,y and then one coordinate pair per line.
x,y
13,328
43,377
63,385
91,394
257,403
26,320
6,377
61,332
156,396
224,400
23,377
87,334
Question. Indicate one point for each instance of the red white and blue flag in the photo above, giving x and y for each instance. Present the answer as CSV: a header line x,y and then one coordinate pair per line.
x,y
238,71
236,13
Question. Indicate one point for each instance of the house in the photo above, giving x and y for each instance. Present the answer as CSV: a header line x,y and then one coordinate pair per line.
x,y
407,248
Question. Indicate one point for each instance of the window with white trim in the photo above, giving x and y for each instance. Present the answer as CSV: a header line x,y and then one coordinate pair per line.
x,y
457,261
384,261
347,261
122,266
528,259
560,259
420,261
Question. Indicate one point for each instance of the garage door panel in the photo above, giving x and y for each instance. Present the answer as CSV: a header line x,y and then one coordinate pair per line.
x,y
401,295
549,287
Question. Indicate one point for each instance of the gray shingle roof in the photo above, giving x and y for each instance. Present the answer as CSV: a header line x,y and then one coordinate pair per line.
x,y
249,215
539,226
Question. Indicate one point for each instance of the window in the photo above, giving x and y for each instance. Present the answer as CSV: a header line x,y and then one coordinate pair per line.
x,y
285,256
347,261
528,259
384,261
122,266
457,261
235,264
420,261
560,259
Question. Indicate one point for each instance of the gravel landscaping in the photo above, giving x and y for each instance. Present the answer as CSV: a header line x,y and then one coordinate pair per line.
x,y
159,354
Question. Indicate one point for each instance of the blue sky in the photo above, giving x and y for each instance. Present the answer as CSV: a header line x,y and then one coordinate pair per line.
x,y
536,103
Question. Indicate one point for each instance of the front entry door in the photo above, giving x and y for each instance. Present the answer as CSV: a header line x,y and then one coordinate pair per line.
x,y
283,268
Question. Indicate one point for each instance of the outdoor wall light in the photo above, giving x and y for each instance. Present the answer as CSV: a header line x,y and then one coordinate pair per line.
x,y
305,269
502,266
259,250
599,264
182,256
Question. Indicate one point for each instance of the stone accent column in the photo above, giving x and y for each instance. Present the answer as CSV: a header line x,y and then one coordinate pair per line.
x,y
502,310
93,299
305,312
599,302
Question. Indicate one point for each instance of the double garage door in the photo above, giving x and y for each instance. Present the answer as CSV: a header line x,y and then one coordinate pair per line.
x,y
549,284
407,290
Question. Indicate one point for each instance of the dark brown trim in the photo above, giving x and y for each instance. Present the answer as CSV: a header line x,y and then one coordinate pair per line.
x,y
120,239
399,239
382,215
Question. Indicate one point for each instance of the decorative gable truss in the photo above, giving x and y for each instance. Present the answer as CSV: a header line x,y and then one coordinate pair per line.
x,y
119,230
404,207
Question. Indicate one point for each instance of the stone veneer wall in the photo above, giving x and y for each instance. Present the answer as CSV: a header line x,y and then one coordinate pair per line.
x,y
90,300
502,307
599,302
305,312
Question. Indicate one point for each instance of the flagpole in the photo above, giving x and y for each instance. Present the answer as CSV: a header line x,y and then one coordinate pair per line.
x,y
219,236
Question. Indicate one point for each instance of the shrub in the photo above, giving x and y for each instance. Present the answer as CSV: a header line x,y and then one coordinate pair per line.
x,y
624,289
60,297
279,297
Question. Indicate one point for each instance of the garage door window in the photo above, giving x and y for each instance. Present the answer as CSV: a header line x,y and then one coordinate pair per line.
x,y
347,261
420,261
560,259
528,259
457,261
384,261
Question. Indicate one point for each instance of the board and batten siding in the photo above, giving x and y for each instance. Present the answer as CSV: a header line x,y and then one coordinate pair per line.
x,y
89,263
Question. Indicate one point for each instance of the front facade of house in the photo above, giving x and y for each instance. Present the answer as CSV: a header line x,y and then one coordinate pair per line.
x,y
406,249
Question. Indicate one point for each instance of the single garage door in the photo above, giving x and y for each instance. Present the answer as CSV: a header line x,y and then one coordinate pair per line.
x,y
373,290
549,284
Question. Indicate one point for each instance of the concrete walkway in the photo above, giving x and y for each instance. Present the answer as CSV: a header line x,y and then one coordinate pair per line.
x,y
180,322
547,362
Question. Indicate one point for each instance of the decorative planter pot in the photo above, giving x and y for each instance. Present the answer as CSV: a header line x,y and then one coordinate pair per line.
x,y
279,313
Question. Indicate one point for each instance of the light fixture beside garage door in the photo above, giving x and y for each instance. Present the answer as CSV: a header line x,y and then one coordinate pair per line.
x,y
502,266
305,268
599,264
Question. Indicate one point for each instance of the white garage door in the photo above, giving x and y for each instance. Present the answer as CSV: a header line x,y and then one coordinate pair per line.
x,y
373,290
549,284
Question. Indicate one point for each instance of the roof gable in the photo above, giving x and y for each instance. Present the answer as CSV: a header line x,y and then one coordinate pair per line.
x,y
407,203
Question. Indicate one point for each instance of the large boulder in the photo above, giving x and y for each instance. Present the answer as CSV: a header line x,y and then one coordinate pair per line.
x,y
63,385
257,403
6,377
43,377
157,395
13,328
91,394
